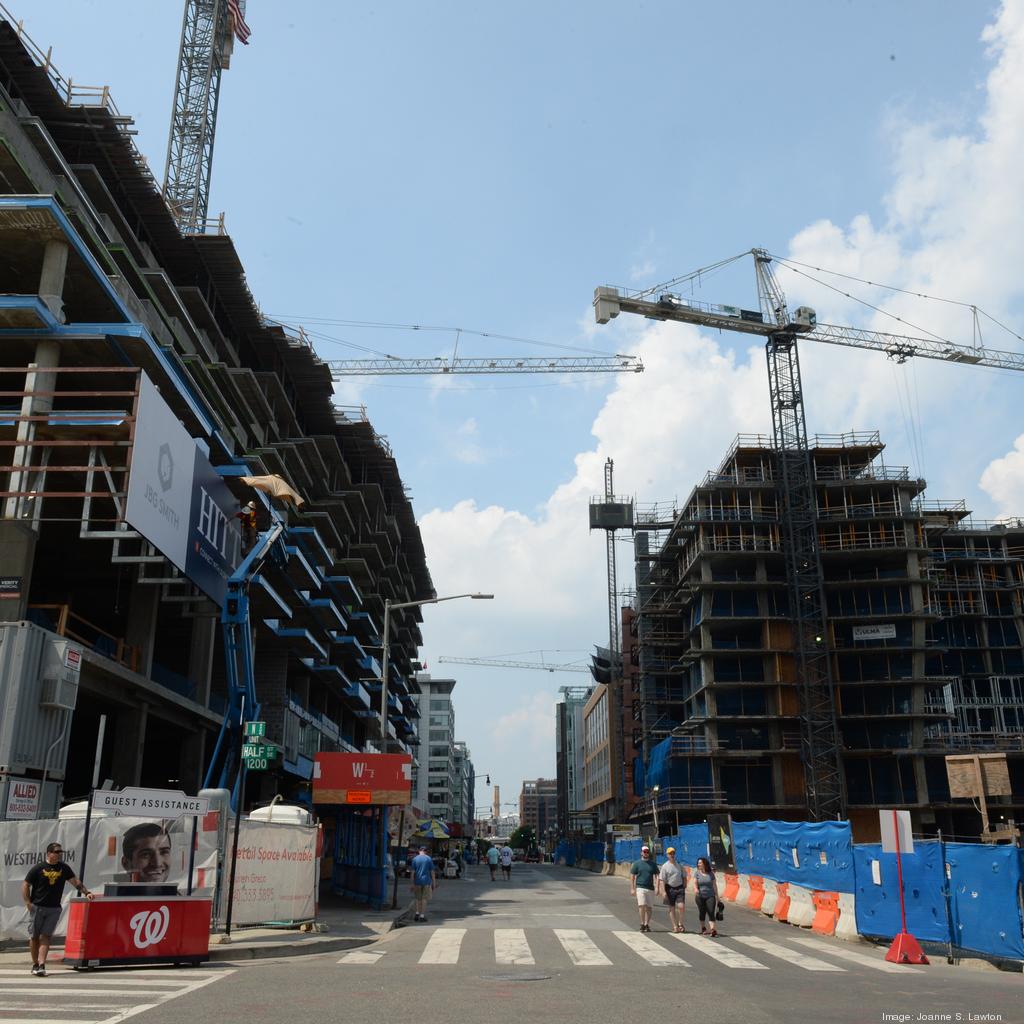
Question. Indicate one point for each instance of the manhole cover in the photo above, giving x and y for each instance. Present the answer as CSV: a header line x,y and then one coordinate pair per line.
x,y
521,976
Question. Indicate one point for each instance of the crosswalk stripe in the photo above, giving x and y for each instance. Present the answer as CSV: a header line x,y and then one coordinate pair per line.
x,y
105,981
723,954
791,956
89,991
581,949
47,1020
848,954
362,956
511,947
655,955
443,947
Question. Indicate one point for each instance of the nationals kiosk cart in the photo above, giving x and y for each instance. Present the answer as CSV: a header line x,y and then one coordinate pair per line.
x,y
143,923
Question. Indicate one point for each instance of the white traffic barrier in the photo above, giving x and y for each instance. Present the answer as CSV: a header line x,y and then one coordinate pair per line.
x,y
771,897
801,906
743,893
846,928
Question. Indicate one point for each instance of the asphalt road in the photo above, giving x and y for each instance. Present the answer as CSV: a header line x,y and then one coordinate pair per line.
x,y
553,944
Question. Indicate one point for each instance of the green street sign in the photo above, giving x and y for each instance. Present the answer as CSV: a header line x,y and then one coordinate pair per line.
x,y
265,750
255,728
257,764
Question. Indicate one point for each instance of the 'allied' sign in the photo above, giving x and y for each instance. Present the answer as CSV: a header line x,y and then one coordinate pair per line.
x,y
383,779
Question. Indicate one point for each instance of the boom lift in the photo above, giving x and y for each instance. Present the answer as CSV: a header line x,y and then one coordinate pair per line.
x,y
819,734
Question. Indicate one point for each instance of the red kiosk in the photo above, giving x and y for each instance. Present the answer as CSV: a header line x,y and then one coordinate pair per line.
x,y
140,924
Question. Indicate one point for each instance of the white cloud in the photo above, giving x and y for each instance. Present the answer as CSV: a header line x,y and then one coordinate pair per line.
x,y
1003,480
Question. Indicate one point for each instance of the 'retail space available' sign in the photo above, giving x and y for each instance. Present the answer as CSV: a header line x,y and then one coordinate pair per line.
x,y
383,779
176,499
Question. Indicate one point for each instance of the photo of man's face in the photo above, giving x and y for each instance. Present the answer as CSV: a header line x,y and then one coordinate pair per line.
x,y
147,854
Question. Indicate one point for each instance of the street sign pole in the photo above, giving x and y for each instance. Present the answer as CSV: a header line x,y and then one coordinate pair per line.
x,y
905,949
234,844
192,852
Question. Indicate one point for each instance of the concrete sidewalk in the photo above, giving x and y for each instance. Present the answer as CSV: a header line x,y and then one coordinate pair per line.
x,y
340,925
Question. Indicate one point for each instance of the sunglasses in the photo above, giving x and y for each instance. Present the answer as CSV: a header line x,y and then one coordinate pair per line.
x,y
56,851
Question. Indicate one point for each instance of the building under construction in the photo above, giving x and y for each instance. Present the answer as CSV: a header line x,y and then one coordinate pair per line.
x,y
924,629
116,326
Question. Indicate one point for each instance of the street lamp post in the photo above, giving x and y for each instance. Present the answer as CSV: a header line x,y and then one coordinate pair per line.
x,y
388,608
654,807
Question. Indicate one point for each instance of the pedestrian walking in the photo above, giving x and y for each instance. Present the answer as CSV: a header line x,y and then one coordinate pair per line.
x,y
707,895
642,880
424,882
672,883
492,859
41,892
506,862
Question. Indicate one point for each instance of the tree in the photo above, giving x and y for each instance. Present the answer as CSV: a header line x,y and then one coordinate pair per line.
x,y
524,838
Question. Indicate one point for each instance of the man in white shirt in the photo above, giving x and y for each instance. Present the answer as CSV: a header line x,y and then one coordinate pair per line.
x,y
505,855
672,885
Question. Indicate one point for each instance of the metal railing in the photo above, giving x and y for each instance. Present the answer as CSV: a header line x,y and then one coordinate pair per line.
x,y
75,627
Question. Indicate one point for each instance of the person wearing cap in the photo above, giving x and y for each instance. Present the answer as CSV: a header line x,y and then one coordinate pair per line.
x,y
642,881
672,884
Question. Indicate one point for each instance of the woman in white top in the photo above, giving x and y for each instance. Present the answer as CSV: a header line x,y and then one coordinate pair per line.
x,y
672,882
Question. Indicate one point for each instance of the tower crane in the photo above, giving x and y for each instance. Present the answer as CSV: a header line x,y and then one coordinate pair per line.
x,y
820,748
208,32
497,663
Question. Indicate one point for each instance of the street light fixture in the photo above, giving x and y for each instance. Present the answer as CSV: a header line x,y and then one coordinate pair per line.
x,y
388,607
654,806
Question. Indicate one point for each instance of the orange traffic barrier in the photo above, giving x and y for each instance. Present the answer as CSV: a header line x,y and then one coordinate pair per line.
x,y
756,897
782,903
826,912
732,886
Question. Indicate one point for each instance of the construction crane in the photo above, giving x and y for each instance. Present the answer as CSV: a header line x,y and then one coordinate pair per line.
x,y
819,733
496,663
208,32
343,368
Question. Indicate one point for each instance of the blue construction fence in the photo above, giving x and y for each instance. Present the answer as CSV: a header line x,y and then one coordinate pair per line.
x,y
970,895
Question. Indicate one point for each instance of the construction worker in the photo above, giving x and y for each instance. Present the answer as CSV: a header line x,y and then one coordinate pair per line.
x,y
247,515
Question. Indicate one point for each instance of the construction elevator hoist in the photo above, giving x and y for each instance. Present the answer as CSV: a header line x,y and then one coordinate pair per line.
x,y
820,748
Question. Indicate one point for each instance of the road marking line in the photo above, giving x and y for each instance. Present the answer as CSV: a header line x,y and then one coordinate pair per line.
x,y
143,1007
444,946
848,954
47,1020
655,955
362,956
511,947
581,950
723,954
89,991
791,956
109,981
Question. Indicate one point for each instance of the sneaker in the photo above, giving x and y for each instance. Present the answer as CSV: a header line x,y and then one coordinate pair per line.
x,y
40,971
35,968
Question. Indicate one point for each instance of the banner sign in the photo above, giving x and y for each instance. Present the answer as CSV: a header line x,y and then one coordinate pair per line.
x,y
883,631
176,499
362,779
153,850
169,803
720,843
275,877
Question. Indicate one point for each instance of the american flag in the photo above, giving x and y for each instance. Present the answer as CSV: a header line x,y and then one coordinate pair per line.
x,y
238,25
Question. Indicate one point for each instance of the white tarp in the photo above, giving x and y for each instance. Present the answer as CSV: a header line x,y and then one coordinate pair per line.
x,y
275,878
163,858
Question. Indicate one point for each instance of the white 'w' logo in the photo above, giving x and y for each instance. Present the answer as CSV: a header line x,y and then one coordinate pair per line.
x,y
358,768
149,927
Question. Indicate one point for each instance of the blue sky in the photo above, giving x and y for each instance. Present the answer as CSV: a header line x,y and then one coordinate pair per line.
x,y
485,167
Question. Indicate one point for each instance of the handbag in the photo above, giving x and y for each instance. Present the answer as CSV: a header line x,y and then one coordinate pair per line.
x,y
720,911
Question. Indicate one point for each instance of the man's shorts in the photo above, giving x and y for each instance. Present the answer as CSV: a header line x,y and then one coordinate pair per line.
x,y
645,897
675,895
422,892
43,921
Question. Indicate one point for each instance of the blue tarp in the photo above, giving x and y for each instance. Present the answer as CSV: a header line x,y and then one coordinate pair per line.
x,y
691,842
878,905
985,886
823,858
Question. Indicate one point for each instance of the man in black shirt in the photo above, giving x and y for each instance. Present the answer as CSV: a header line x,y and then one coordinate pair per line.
x,y
42,892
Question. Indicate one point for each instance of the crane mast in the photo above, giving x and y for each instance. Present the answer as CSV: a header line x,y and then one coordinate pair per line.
x,y
208,30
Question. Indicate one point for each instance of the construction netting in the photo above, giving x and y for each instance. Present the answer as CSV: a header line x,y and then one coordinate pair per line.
x,y
816,855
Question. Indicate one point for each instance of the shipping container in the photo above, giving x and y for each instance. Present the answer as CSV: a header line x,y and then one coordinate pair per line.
x,y
39,673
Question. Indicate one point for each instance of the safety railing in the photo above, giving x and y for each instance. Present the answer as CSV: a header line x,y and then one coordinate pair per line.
x,y
64,622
